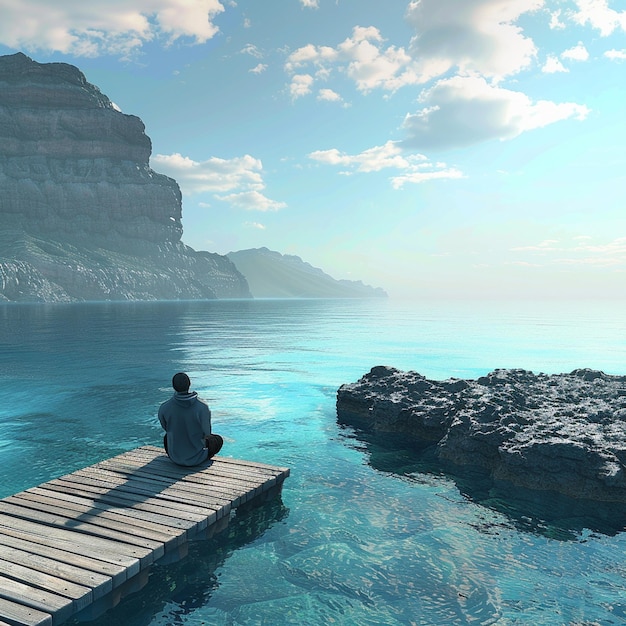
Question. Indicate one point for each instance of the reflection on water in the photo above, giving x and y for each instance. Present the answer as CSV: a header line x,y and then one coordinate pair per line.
x,y
373,536
177,590
544,513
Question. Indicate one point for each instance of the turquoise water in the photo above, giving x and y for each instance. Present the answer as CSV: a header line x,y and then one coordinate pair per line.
x,y
362,535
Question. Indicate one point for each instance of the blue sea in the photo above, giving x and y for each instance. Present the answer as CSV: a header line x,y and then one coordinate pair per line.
x,y
365,533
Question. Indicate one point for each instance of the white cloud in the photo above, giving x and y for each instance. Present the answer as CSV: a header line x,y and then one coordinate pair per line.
x,y
329,95
553,65
258,69
300,85
464,110
252,201
581,251
600,16
310,4
252,50
473,36
362,57
242,176
255,225
555,21
102,27
616,55
415,168
577,53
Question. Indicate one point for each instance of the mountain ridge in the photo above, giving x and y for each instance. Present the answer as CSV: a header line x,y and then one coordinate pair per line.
x,y
271,274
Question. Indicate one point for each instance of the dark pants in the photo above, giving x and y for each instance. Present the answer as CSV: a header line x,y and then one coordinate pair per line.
x,y
213,444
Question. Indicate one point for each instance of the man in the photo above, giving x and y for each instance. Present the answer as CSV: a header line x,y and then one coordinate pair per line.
x,y
186,420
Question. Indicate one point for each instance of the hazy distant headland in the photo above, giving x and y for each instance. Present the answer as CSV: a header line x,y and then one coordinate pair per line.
x,y
274,275
83,216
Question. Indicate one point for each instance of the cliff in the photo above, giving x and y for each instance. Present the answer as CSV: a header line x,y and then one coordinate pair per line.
x,y
273,275
82,215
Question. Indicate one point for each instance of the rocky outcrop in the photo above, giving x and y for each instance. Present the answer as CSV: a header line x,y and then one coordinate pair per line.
x,y
563,433
274,275
82,215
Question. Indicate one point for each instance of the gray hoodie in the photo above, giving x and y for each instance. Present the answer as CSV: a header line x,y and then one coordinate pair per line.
x,y
186,420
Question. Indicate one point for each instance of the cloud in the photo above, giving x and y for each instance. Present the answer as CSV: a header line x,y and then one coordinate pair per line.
x,y
472,36
252,50
329,95
362,57
600,16
581,251
616,55
300,85
310,4
258,69
577,53
255,225
553,65
100,27
415,168
242,176
252,201
464,110
555,21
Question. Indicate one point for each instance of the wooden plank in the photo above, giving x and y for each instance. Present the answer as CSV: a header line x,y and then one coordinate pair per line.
x,y
130,516
80,595
104,518
75,540
105,497
63,552
119,552
118,534
231,488
24,615
60,607
167,496
98,570
99,584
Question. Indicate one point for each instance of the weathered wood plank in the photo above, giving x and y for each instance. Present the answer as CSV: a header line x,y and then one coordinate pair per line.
x,y
24,615
144,520
99,584
118,535
95,566
75,542
60,607
104,496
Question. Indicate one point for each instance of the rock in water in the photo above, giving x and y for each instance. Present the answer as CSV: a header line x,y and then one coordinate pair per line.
x,y
564,433
83,216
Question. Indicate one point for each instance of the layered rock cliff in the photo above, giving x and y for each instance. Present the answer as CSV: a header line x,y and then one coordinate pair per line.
x,y
82,215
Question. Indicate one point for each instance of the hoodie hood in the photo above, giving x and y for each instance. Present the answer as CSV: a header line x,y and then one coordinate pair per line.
x,y
185,399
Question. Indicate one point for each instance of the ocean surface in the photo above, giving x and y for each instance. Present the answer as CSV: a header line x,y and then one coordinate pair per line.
x,y
364,533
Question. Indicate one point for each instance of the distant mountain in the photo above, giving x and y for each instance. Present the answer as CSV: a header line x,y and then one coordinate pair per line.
x,y
274,275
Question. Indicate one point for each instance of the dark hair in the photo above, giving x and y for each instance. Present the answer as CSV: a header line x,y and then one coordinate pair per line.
x,y
181,382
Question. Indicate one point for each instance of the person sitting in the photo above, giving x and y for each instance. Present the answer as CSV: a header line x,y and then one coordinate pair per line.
x,y
186,419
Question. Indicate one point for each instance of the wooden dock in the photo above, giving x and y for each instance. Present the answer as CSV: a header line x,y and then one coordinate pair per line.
x,y
74,546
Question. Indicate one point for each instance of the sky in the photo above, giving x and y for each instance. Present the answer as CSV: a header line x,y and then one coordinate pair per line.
x,y
435,148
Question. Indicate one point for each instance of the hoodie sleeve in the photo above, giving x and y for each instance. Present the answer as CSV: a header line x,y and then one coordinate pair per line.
x,y
206,420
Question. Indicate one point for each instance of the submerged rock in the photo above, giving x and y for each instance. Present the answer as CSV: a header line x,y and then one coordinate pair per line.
x,y
564,433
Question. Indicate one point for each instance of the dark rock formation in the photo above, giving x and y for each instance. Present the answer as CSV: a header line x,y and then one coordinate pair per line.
x,y
82,215
563,433
274,275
